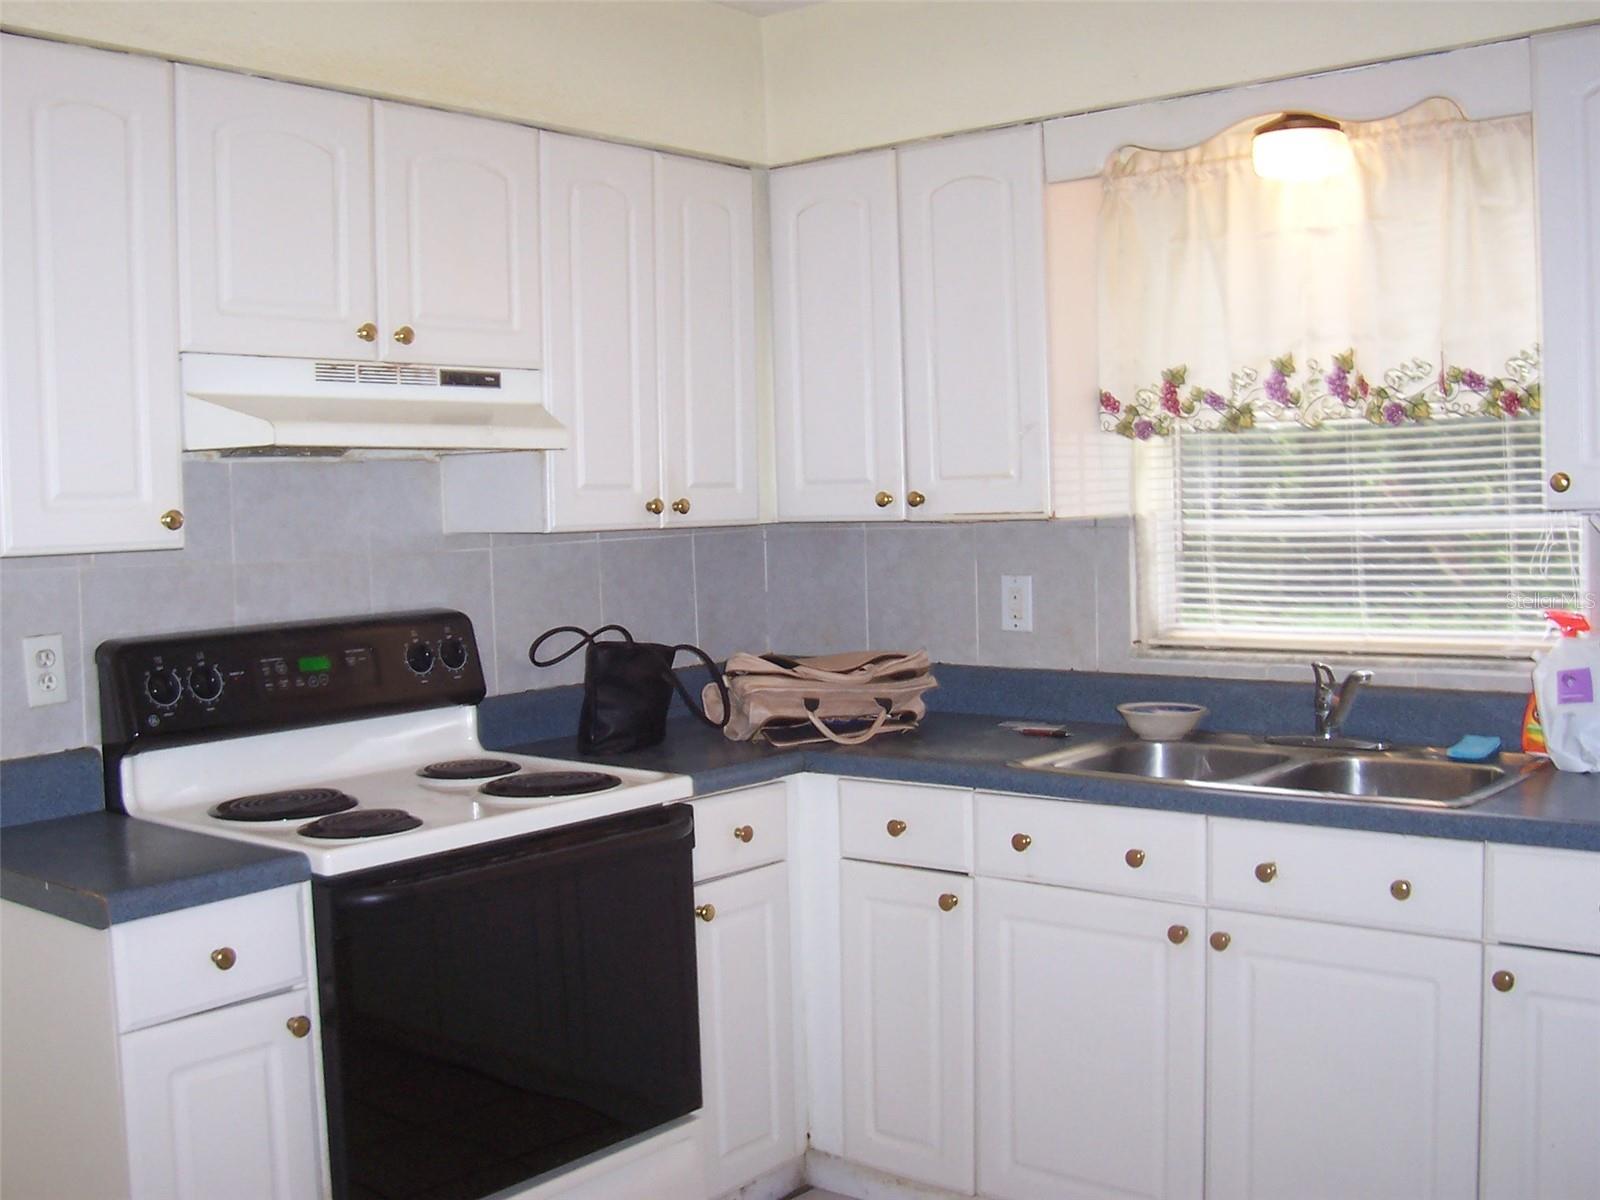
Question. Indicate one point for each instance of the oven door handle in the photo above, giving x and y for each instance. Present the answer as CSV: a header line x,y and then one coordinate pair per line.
x,y
563,850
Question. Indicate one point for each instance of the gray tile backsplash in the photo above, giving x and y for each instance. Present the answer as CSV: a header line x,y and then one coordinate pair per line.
x,y
284,540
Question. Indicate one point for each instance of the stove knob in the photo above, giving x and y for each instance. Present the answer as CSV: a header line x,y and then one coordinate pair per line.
x,y
205,683
453,653
163,688
419,657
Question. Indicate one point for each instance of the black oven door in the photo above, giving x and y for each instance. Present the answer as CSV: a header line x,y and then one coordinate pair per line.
x,y
492,1013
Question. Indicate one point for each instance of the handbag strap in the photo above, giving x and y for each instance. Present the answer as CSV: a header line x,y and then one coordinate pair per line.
x,y
584,638
849,739
689,701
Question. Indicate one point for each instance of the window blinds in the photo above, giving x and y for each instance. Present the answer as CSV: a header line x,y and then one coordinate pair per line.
x,y
1428,539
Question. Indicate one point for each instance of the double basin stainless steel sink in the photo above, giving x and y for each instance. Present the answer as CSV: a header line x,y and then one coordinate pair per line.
x,y
1237,763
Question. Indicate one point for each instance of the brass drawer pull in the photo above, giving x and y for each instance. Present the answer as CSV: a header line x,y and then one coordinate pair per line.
x,y
895,827
172,519
1560,481
916,499
1503,981
1266,872
1134,858
224,958
1400,889
1220,940
367,331
1177,934
299,1026
1020,842
681,506
655,507
706,912
744,833
948,901
405,335
883,499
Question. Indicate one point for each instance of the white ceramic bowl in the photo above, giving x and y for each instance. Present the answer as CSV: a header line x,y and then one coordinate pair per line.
x,y
1161,720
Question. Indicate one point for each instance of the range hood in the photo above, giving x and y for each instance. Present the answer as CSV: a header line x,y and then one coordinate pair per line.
x,y
235,401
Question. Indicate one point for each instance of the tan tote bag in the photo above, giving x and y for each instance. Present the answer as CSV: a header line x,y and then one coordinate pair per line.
x,y
844,698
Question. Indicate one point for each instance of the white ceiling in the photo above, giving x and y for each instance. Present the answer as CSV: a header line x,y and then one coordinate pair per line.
x,y
765,8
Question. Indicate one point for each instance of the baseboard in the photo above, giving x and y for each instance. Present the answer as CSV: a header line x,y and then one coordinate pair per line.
x,y
776,1184
835,1175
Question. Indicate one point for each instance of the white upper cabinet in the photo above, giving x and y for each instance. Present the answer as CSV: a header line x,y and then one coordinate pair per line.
x,y
836,339
976,386
600,362
90,430
1566,113
705,322
275,218
458,238
317,224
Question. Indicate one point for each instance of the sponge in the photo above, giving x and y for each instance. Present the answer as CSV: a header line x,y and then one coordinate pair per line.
x,y
1475,747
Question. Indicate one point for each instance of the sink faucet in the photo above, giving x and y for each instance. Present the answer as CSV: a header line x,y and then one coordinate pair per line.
x,y
1332,703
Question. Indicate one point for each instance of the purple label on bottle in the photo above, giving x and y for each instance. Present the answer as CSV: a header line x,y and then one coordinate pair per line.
x,y
1575,686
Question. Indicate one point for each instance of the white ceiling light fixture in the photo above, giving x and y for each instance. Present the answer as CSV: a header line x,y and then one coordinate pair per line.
x,y
1300,147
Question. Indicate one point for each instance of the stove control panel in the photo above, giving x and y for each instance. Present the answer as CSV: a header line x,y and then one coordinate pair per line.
x,y
187,687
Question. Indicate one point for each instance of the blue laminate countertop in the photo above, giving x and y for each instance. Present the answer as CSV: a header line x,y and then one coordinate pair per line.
x,y
1553,808
100,869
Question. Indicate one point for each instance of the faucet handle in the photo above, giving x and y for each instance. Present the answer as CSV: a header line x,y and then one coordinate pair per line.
x,y
1322,673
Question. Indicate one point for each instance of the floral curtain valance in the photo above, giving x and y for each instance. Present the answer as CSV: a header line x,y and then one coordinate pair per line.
x,y
1402,291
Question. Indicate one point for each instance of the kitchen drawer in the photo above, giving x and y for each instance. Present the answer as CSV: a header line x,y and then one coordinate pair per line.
x,y
747,828
1132,851
172,965
1540,897
905,823
1382,880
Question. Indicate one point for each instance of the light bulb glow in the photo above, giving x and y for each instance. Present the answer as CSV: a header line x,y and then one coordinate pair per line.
x,y
1296,152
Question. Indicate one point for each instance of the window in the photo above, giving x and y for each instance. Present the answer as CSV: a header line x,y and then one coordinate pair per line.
x,y
1334,393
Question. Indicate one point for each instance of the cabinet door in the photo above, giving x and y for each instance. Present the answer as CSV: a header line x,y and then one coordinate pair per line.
x,y
908,1022
274,218
746,1027
1341,1062
977,404
1109,994
598,255
1566,115
705,315
1541,1075
836,339
225,1104
458,238
89,457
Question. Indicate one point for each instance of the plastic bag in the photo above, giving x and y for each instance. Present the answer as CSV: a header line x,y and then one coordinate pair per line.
x,y
1565,683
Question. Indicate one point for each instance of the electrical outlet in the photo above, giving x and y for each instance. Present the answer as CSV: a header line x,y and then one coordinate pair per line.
x,y
46,666
1016,603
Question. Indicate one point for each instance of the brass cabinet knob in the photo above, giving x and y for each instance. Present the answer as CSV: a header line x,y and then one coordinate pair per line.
x,y
1400,889
948,901
655,507
895,827
1560,481
367,332
405,335
299,1026
883,499
1220,940
1178,934
744,833
1020,842
706,912
1134,858
681,505
1266,872
224,958
1503,981
916,499
172,519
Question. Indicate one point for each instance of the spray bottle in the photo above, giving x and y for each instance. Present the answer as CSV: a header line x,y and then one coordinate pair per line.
x,y
1566,680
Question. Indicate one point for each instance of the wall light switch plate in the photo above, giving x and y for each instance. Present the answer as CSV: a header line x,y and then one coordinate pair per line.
x,y
45,665
1016,603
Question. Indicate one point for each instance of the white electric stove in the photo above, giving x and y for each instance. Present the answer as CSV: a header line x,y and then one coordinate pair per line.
x,y
278,736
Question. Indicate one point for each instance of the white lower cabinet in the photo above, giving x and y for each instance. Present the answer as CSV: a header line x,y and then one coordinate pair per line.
x,y
1091,1045
906,942
1541,1075
748,1125
191,1086
1341,1062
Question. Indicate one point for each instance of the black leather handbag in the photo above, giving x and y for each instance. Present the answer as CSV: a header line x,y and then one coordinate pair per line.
x,y
627,688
